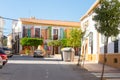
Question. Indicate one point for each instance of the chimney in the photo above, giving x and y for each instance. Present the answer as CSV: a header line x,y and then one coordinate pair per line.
x,y
32,17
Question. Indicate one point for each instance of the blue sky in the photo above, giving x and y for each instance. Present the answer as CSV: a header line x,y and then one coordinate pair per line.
x,y
65,10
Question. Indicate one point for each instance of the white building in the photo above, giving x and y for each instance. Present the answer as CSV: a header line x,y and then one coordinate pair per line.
x,y
93,42
1,30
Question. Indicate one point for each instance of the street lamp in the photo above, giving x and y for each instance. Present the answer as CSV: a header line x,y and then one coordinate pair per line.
x,y
1,30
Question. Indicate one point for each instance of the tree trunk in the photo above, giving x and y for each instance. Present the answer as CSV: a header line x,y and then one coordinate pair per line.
x,y
53,50
104,57
79,53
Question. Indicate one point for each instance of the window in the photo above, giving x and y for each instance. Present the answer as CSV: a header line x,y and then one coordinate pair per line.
x,y
115,40
37,32
55,31
24,33
91,41
115,60
116,46
55,34
105,49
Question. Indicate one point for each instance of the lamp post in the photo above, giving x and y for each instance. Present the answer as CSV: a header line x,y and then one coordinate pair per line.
x,y
1,30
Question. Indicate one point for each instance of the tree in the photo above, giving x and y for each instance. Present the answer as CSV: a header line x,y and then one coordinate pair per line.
x,y
54,43
108,21
31,42
5,42
65,42
75,37
74,40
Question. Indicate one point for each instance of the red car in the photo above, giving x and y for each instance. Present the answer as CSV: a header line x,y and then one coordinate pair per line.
x,y
4,56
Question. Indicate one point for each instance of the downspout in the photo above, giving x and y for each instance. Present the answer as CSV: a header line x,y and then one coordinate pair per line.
x,y
98,48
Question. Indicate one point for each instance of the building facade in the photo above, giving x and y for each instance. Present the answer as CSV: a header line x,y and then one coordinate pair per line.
x,y
45,29
93,42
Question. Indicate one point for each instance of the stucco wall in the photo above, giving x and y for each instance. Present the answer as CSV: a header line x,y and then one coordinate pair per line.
x,y
110,46
90,28
119,43
112,59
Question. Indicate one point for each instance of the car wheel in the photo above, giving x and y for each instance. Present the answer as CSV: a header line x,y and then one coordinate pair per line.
x,y
4,63
11,56
34,56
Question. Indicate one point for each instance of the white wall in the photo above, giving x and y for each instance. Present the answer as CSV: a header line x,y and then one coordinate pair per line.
x,y
110,45
119,43
90,28
101,44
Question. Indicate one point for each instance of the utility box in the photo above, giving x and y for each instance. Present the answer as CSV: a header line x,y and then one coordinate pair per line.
x,y
67,54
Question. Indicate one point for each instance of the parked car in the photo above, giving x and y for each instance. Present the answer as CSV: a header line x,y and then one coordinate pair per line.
x,y
4,56
38,53
8,52
1,62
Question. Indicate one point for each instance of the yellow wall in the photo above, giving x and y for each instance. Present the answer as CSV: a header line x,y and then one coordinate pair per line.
x,y
111,59
91,57
67,32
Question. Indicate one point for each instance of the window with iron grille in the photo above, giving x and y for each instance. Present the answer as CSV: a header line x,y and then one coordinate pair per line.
x,y
91,41
116,46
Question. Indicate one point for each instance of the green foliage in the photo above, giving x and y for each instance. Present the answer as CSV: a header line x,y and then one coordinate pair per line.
x,y
4,42
31,41
64,34
74,40
108,21
65,42
108,17
75,37
54,43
